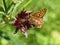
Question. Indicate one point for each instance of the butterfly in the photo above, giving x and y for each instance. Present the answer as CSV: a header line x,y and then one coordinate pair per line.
x,y
37,18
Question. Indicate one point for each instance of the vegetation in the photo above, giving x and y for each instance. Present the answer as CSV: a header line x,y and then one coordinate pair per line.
x,y
48,34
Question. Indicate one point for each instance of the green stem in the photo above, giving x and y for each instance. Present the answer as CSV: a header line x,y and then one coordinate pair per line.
x,y
5,6
27,3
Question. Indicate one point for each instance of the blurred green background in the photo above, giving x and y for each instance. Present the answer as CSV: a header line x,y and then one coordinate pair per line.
x,y
49,34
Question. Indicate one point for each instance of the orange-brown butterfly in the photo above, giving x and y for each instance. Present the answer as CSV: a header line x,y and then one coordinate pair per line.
x,y
37,18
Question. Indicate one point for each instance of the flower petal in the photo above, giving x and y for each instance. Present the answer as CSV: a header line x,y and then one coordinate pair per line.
x,y
24,31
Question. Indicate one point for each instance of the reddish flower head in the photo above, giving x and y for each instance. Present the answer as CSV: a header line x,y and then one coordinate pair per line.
x,y
22,22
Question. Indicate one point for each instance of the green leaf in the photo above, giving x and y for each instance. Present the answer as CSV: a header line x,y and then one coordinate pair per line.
x,y
2,13
5,7
1,9
20,6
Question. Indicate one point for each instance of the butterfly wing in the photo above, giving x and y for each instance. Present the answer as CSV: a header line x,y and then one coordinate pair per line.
x,y
37,18
41,13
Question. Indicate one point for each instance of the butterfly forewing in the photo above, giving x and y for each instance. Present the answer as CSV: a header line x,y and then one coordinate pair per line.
x,y
41,13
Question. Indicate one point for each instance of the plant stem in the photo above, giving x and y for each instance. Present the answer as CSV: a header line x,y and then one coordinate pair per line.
x,y
5,6
27,3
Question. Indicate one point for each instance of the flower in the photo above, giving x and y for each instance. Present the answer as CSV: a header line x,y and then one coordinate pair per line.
x,y
22,22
